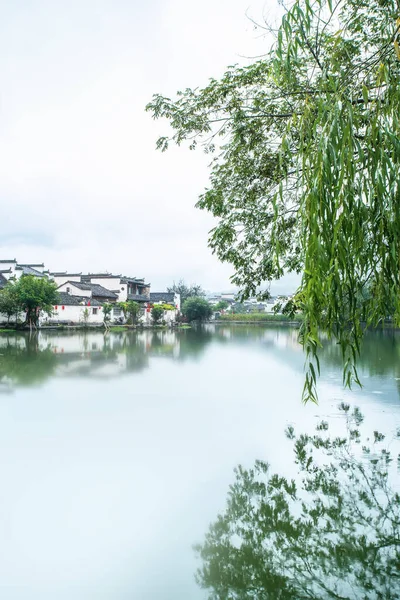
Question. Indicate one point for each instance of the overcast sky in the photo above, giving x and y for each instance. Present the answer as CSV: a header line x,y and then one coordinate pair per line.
x,y
82,187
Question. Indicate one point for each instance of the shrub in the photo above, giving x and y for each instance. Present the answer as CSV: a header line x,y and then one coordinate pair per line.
x,y
157,313
197,309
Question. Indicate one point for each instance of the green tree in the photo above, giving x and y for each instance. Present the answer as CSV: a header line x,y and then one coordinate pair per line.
x,y
134,311
157,313
35,295
107,310
306,176
239,308
85,317
332,532
123,307
9,303
197,309
186,291
221,305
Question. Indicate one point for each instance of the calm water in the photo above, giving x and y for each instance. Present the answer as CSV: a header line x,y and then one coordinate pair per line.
x,y
117,451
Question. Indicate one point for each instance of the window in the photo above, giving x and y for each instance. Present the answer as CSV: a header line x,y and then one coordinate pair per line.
x,y
117,312
94,311
68,290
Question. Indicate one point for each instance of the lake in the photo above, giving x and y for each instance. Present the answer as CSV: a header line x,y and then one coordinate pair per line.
x,y
117,451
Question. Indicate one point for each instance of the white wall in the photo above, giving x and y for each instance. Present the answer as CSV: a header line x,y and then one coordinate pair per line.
x,y
169,316
4,266
60,279
114,284
177,301
74,314
75,291
39,268
4,318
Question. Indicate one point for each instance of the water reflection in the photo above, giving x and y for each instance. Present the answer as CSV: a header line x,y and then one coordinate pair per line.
x,y
116,451
28,359
332,532
378,364
31,359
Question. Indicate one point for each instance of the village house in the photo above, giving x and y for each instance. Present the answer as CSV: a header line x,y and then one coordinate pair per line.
x,y
7,267
37,270
82,296
126,288
75,309
166,298
5,275
62,277
10,268
89,290
3,280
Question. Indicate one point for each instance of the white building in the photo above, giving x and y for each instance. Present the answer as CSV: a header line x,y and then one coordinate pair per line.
x,y
166,298
89,290
62,277
10,268
75,310
126,288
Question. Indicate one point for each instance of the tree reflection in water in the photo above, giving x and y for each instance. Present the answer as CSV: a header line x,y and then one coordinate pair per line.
x,y
32,359
334,532
23,363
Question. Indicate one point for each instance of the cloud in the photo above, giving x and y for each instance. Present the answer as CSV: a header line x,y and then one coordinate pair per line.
x,y
81,184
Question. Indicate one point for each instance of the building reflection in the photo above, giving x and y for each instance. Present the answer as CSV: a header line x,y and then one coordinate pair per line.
x,y
31,359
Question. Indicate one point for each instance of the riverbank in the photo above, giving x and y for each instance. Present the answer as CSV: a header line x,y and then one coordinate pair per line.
x,y
94,327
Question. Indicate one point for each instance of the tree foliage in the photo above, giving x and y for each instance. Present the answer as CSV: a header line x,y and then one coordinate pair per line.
x,y
132,311
186,291
85,316
332,532
9,303
34,295
157,313
305,171
197,309
107,310
221,305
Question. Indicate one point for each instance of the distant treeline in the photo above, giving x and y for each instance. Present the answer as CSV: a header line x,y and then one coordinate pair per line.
x,y
256,317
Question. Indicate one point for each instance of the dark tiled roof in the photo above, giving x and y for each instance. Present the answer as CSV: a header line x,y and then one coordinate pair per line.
x,y
139,280
8,261
100,276
31,265
97,290
68,300
102,292
138,297
3,281
5,270
63,274
79,285
29,271
162,297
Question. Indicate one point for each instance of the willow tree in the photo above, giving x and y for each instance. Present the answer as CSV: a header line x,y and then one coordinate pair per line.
x,y
305,148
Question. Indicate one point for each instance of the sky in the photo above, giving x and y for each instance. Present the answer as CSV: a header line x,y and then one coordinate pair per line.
x,y
82,187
